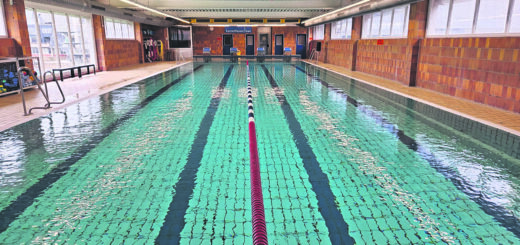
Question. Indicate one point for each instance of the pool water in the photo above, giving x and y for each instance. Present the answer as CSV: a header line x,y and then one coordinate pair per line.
x,y
166,160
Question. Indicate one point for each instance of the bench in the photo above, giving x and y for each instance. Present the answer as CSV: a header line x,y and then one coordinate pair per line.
x,y
72,70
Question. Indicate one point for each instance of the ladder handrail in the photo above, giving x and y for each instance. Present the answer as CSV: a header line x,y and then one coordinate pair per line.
x,y
57,84
20,83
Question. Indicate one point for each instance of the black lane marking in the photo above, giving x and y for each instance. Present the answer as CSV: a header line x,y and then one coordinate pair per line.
x,y
26,199
338,228
174,221
499,213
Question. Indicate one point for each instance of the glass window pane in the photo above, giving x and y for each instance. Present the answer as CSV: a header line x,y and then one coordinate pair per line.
x,y
117,27
124,29
88,39
386,23
49,52
64,42
131,31
398,22
438,18
492,15
376,23
367,22
109,28
349,28
319,32
514,26
33,33
75,36
462,14
3,30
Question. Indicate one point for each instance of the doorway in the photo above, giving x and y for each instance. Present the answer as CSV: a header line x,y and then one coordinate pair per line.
x,y
227,44
264,42
278,44
301,45
250,44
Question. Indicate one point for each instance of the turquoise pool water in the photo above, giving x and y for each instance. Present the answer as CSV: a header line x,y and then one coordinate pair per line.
x,y
166,160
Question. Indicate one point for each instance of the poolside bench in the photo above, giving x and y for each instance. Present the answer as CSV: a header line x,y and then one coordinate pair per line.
x,y
72,70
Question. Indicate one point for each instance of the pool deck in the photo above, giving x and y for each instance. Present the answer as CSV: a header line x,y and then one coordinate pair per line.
x,y
77,89
498,118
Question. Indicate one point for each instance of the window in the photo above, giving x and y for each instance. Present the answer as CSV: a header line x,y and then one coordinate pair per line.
x,y
341,29
3,30
514,24
389,23
180,37
469,17
319,32
69,43
119,29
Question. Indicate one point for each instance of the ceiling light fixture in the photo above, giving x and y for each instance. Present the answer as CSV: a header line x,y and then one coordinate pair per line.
x,y
337,10
154,10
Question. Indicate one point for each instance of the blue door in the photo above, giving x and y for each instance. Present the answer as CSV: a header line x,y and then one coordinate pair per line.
x,y
278,44
227,43
301,45
250,44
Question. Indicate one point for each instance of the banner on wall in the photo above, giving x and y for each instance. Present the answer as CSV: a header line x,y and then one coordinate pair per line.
x,y
238,29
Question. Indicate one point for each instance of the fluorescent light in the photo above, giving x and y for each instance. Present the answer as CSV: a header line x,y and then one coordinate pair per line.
x,y
337,10
154,10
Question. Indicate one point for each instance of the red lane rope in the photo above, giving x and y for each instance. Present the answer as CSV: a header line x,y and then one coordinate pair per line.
x,y
257,199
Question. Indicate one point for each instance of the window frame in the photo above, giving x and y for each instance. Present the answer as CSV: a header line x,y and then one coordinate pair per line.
x,y
123,24
507,30
314,32
347,29
3,26
369,27
52,10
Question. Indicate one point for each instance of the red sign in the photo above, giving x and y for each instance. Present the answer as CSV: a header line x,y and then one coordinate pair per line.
x,y
219,38
310,38
380,42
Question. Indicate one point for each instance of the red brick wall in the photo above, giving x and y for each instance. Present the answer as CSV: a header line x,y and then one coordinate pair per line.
x,y
203,37
391,60
395,59
485,70
119,53
289,35
324,44
112,54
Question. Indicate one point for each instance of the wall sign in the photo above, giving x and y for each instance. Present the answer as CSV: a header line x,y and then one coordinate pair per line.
x,y
238,29
380,42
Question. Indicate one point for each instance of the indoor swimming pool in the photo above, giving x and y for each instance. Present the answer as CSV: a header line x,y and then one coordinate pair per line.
x,y
166,160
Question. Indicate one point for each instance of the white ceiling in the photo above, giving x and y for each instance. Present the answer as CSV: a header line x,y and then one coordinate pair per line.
x,y
238,9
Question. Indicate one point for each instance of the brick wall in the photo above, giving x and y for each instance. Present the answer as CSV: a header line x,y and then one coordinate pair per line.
x,y
289,35
485,70
204,37
112,54
390,60
119,53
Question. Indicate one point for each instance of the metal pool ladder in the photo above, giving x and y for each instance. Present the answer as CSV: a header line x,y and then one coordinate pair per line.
x,y
314,55
44,93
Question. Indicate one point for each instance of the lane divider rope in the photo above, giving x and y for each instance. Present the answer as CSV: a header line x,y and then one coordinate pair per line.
x,y
257,199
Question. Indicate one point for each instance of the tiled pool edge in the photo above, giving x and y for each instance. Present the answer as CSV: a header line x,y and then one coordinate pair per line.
x,y
61,106
503,139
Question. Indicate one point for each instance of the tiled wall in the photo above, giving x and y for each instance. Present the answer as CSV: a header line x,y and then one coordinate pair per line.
x,y
485,70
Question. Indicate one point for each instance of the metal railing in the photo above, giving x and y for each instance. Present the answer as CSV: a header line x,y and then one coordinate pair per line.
x,y
44,93
314,55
